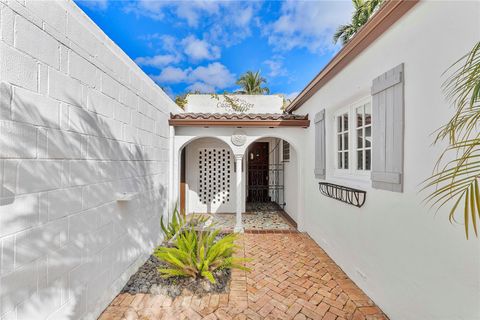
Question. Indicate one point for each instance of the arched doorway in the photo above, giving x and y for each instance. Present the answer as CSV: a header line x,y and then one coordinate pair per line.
x,y
272,177
206,176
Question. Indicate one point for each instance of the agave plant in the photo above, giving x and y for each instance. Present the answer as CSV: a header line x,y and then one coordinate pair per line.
x,y
198,254
174,226
458,168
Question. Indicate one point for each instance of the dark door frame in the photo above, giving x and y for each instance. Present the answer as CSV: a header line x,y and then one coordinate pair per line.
x,y
183,190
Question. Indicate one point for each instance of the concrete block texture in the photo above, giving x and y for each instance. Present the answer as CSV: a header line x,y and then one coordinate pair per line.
x,y
78,124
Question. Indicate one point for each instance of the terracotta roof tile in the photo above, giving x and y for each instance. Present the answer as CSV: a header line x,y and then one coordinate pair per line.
x,y
238,116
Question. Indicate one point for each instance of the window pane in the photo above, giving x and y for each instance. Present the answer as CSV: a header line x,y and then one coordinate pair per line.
x,y
339,124
345,122
360,160
359,116
368,159
339,160
340,142
368,131
359,138
368,137
368,114
345,160
345,141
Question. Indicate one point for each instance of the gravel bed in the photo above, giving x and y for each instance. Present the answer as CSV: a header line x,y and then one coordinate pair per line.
x,y
148,280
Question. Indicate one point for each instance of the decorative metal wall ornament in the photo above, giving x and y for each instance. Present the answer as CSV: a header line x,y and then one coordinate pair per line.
x,y
239,138
352,196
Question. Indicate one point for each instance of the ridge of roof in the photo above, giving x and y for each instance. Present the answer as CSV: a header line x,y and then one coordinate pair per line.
x,y
390,12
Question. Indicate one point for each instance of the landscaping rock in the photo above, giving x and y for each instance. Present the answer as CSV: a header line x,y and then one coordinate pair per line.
x,y
148,280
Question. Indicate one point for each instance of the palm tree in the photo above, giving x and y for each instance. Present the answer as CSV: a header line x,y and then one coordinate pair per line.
x,y
457,171
363,10
251,83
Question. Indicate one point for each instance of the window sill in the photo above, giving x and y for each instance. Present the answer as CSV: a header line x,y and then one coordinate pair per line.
x,y
357,182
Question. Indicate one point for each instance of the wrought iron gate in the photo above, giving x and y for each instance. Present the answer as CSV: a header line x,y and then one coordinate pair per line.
x,y
276,181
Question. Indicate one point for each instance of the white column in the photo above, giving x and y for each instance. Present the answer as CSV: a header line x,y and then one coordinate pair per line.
x,y
239,180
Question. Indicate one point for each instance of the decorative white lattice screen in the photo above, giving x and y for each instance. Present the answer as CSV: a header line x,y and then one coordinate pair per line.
x,y
215,169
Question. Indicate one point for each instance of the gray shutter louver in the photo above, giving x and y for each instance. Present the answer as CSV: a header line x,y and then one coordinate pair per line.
x,y
387,130
320,156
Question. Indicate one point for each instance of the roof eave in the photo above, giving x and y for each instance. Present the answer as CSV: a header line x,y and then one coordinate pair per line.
x,y
239,123
380,22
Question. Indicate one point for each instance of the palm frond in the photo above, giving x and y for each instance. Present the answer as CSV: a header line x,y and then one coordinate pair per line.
x,y
363,10
456,179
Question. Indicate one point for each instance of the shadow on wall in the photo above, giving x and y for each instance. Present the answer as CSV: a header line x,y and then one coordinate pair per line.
x,y
65,239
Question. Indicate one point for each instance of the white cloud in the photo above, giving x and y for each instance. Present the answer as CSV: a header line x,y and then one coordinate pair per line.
x,y
224,23
175,50
197,49
153,9
215,74
308,24
192,11
275,64
203,78
158,61
171,75
200,87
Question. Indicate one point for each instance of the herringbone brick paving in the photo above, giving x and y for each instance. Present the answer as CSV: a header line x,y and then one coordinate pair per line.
x,y
291,278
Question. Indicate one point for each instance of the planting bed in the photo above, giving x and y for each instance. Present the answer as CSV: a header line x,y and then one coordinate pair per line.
x,y
148,280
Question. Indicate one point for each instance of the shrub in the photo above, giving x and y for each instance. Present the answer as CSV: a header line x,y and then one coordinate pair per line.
x,y
198,254
180,222
177,223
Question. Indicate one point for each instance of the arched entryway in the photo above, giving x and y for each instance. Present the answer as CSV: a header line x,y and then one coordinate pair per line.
x,y
271,179
206,176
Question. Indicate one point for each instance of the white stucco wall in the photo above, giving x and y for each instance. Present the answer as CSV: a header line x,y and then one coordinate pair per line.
x,y
412,262
254,103
79,122
291,185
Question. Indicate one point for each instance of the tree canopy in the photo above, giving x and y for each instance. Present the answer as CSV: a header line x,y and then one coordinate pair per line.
x,y
251,83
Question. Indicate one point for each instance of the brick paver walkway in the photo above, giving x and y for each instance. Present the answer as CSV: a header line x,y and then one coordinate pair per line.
x,y
292,278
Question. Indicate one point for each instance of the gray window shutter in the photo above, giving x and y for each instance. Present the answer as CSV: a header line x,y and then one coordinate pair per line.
x,y
387,130
320,145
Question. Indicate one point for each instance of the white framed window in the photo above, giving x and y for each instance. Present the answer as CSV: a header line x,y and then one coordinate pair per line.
x,y
363,123
343,132
353,139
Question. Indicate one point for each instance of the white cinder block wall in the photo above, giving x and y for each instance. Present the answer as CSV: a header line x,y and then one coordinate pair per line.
x,y
79,122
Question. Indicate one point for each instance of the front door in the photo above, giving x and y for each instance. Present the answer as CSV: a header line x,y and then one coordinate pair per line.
x,y
258,172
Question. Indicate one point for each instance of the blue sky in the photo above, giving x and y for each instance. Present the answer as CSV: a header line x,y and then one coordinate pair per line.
x,y
206,45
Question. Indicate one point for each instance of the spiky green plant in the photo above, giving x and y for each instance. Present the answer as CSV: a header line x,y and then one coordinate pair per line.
x,y
174,226
198,254
457,171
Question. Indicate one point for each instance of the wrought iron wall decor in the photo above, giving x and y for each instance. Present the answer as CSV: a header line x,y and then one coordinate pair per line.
x,y
352,196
